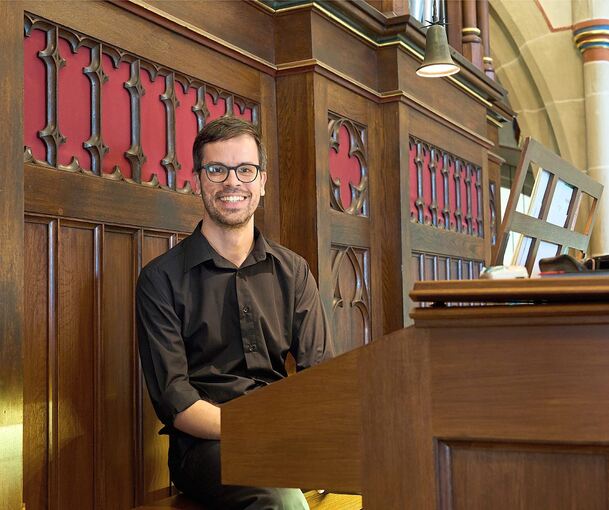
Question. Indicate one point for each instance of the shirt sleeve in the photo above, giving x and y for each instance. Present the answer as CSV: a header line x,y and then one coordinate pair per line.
x,y
161,348
311,337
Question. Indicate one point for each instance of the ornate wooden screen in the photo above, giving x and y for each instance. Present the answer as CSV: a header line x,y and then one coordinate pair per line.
x,y
447,231
108,168
113,95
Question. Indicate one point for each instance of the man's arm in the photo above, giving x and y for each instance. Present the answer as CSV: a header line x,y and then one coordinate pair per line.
x,y
311,337
202,419
164,362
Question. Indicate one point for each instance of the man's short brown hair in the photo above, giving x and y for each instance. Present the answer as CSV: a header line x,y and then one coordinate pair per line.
x,y
225,128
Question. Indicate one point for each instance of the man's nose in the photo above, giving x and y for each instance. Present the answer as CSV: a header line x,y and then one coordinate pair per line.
x,y
231,179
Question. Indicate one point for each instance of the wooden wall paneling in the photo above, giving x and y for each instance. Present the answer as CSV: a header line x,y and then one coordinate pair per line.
x,y
153,461
332,42
322,196
465,244
375,170
245,25
441,97
297,165
496,475
11,255
270,224
450,138
390,193
293,36
51,192
454,17
76,362
36,346
354,262
486,212
115,25
118,369
540,396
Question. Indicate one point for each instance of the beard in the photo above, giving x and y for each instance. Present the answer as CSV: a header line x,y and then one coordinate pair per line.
x,y
227,218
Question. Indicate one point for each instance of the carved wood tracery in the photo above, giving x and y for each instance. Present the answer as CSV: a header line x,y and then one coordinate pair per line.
x,y
358,205
226,102
351,299
446,190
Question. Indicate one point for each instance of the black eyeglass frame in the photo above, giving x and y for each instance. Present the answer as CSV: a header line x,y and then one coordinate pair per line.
x,y
228,169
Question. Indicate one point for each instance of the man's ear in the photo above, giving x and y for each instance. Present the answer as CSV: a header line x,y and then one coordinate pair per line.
x,y
262,182
197,181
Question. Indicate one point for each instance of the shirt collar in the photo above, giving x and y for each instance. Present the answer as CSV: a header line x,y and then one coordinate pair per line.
x,y
197,250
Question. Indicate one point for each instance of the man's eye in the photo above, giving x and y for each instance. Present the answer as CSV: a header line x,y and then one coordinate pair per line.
x,y
247,170
216,169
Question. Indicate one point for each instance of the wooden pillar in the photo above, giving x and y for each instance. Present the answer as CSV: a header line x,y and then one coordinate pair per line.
x,y
454,17
483,23
392,187
11,255
472,47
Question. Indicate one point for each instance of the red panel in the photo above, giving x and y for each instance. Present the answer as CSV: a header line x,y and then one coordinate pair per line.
x,y
412,170
452,193
74,105
153,128
426,185
474,202
116,117
440,189
186,131
247,114
463,198
344,167
34,103
215,110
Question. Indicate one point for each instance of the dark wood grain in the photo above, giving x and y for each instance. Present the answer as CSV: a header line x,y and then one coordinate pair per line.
x,y
119,358
36,366
293,37
11,254
434,240
52,192
512,418
326,435
390,223
226,20
583,288
119,27
297,164
398,471
541,477
75,407
270,222
523,383
153,462
101,232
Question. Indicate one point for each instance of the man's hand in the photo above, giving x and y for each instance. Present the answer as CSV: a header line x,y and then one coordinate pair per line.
x,y
201,419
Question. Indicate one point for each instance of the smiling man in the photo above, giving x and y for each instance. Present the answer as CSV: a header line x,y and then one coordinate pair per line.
x,y
218,314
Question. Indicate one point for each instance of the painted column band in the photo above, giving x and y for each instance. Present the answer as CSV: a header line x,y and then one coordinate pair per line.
x,y
591,37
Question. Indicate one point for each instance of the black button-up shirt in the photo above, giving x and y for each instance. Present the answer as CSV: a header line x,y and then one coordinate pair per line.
x,y
213,331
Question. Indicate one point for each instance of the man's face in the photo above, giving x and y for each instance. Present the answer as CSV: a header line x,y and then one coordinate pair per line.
x,y
232,203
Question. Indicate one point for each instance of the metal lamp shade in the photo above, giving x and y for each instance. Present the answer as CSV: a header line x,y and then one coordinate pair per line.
x,y
437,62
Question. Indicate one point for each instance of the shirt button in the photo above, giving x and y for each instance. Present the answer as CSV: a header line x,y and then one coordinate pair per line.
x,y
246,309
251,348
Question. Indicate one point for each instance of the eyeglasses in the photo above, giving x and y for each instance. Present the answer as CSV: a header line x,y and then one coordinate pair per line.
x,y
217,172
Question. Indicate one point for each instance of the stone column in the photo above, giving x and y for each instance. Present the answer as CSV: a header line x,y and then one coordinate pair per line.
x,y
591,36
